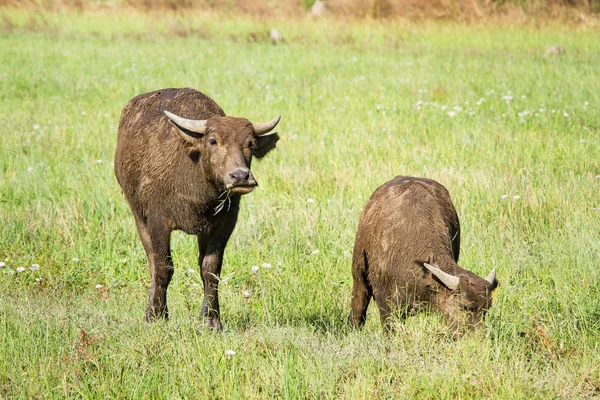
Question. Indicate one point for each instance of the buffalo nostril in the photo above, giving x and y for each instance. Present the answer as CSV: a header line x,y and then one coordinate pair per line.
x,y
240,175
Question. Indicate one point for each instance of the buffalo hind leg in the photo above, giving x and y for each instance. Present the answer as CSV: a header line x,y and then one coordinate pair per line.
x,y
156,238
211,260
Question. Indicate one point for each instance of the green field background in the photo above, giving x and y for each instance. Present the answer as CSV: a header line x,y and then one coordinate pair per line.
x,y
513,134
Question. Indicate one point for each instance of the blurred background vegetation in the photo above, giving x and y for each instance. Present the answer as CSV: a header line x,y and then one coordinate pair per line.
x,y
572,11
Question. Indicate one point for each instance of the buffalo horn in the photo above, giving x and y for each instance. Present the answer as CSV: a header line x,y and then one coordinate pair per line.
x,y
450,281
491,278
194,125
262,128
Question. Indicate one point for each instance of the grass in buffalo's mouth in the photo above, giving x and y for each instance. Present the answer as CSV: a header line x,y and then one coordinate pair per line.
x,y
223,200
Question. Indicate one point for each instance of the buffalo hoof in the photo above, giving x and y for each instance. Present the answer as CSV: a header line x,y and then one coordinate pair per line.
x,y
153,315
213,324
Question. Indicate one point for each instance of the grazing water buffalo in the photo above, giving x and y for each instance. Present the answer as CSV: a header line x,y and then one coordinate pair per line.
x,y
405,255
183,164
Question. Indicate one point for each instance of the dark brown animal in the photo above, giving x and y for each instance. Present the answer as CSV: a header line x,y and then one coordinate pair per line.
x,y
405,255
182,164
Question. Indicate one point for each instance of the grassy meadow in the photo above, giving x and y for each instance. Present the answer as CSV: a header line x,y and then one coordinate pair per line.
x,y
512,134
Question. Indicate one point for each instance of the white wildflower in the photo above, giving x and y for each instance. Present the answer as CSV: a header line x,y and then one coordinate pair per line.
x,y
99,286
190,271
229,353
314,252
30,169
566,114
266,265
20,269
38,279
36,127
254,269
451,114
35,267
516,197
504,196
311,201
246,293
2,264
75,259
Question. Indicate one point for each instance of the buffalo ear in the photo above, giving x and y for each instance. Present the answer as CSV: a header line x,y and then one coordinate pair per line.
x,y
265,144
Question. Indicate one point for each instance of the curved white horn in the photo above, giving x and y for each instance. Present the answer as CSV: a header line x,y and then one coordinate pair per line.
x,y
194,125
263,128
450,281
491,278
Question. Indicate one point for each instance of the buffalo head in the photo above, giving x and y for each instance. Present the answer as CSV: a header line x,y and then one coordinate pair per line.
x,y
467,297
225,147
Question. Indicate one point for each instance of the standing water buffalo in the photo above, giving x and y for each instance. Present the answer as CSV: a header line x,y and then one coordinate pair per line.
x,y
405,255
183,164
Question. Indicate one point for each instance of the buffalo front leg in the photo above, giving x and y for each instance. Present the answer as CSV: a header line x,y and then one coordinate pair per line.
x,y
158,250
361,291
361,297
210,265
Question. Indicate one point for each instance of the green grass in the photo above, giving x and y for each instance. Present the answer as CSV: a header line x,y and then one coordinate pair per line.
x,y
361,103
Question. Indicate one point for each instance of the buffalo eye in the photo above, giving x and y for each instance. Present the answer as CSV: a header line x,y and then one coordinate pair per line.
x,y
212,142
